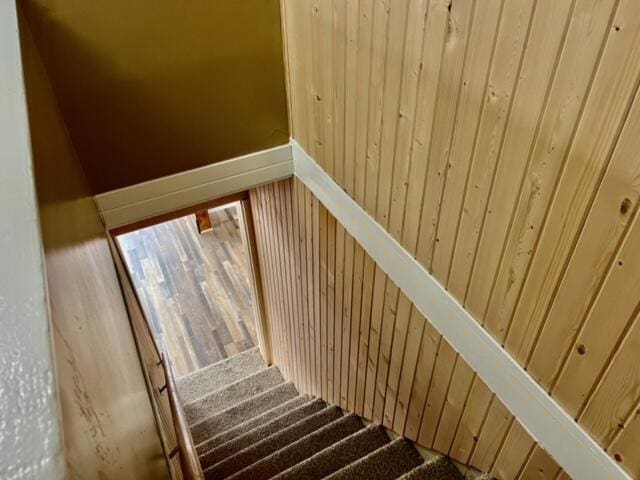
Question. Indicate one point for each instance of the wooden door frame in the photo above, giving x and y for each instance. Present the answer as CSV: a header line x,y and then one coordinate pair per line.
x,y
250,246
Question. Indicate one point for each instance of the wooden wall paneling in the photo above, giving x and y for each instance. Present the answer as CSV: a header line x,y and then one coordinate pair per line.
x,y
364,332
323,227
308,226
338,310
300,261
374,88
285,217
424,371
275,289
615,401
604,113
384,353
366,41
318,327
457,18
330,305
258,222
317,76
267,258
375,335
351,89
442,372
573,79
505,69
515,452
611,312
294,249
277,294
494,144
471,421
398,342
455,400
346,318
380,158
593,256
492,434
338,88
354,334
531,96
409,190
625,447
539,465
257,295
412,72
474,82
394,366
408,368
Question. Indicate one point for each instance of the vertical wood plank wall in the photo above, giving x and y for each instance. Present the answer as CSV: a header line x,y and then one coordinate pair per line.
x,y
343,331
497,141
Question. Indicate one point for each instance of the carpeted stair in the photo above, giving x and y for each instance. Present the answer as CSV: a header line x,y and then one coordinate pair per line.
x,y
248,423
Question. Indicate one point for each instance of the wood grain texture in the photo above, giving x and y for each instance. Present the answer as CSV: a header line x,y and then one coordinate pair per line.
x,y
496,142
195,288
388,363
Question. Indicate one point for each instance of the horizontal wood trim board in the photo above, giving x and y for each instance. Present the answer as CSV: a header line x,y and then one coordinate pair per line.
x,y
578,454
156,197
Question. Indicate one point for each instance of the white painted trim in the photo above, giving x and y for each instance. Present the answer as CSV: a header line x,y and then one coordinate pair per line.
x,y
168,194
574,450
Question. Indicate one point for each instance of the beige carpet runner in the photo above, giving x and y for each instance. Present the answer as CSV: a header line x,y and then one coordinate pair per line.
x,y
250,424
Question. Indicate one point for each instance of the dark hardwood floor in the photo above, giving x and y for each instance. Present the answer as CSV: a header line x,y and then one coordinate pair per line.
x,y
195,288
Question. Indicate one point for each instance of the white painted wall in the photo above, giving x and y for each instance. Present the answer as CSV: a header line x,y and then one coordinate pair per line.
x,y
30,436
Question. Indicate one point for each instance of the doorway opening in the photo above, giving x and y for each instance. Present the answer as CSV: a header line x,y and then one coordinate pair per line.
x,y
194,279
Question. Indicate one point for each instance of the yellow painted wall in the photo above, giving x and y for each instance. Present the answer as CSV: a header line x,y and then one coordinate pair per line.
x,y
154,87
109,427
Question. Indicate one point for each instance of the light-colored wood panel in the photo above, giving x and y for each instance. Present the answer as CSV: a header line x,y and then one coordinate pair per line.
x,y
614,403
593,256
515,452
625,447
484,31
459,15
594,140
492,435
391,366
443,369
490,142
412,72
540,465
575,71
404,212
505,70
530,101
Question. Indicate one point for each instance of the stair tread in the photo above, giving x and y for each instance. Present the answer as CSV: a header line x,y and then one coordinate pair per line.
x,y
301,449
274,442
438,468
387,463
252,423
233,416
241,442
219,375
338,455
233,394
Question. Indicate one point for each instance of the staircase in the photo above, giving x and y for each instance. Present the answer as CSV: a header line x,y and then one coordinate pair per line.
x,y
250,424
